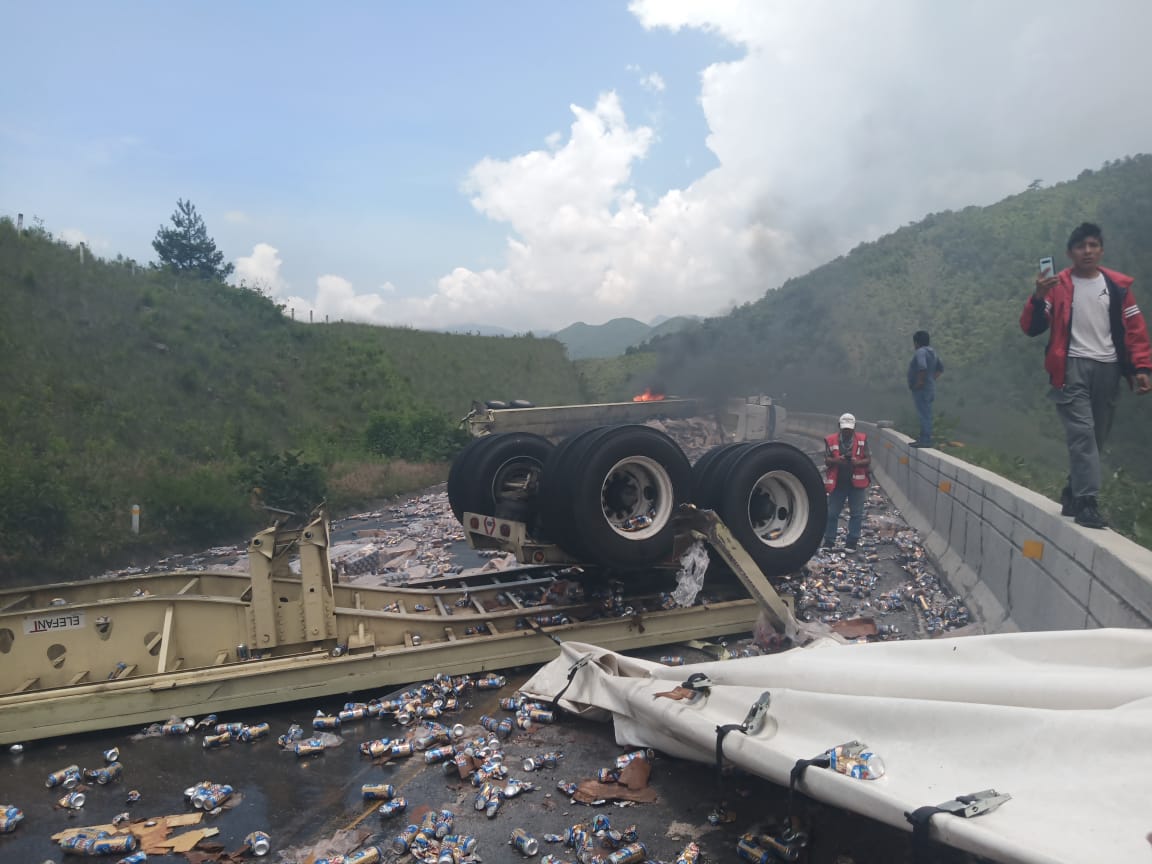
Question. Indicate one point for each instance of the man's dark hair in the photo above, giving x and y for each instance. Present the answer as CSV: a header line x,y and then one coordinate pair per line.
x,y
920,338
1083,232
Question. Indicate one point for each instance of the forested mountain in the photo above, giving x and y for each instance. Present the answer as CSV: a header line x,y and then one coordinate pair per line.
x,y
125,385
613,338
839,338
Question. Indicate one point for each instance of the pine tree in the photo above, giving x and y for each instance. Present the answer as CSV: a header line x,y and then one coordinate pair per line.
x,y
186,247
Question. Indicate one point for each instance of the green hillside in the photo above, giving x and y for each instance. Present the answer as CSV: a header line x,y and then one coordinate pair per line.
x,y
127,385
609,339
839,338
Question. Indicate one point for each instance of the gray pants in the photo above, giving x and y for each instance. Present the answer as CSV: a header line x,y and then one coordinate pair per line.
x,y
1086,405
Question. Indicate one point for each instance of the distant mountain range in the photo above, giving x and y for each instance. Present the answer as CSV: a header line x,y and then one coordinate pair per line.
x,y
613,338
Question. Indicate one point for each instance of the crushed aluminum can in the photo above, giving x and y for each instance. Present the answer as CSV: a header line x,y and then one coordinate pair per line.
x,y
607,775
566,787
600,823
138,857
445,820
367,855
511,703
553,838
524,843
258,843
458,731
176,727
133,796
690,855
391,808
402,842
376,748
10,817
491,682
68,777
401,748
121,819
623,760
112,755
221,740
358,712
212,796
672,660
448,855
541,715
633,853
325,722
378,791
428,823
72,801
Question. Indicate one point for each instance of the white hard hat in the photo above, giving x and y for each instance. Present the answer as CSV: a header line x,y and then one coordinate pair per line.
x,y
847,421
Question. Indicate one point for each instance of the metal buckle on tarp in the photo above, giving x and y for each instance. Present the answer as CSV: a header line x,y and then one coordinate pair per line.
x,y
964,806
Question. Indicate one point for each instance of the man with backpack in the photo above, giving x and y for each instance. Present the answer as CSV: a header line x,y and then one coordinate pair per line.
x,y
923,371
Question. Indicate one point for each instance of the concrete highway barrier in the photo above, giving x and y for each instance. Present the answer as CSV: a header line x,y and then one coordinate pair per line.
x,y
1006,550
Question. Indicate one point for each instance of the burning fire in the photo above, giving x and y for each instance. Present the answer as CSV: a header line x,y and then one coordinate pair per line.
x,y
648,396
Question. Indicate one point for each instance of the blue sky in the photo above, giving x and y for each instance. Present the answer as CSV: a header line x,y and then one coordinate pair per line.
x,y
535,163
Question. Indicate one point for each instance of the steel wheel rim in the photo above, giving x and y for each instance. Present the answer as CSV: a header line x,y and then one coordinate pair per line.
x,y
516,479
635,490
778,509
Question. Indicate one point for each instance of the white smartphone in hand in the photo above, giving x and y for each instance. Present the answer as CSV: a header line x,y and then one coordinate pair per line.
x,y
1047,267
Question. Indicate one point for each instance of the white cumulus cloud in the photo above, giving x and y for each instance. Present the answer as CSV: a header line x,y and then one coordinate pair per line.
x,y
839,122
261,269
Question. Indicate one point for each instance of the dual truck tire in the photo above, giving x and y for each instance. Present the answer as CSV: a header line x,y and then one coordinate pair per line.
x,y
607,495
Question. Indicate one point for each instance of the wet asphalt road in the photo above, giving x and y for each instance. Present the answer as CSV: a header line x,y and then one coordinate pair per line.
x,y
301,801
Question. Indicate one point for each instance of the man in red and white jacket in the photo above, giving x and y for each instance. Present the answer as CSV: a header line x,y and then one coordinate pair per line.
x,y
1098,334
847,461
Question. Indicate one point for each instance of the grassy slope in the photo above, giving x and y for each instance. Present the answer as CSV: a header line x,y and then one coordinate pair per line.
x,y
122,382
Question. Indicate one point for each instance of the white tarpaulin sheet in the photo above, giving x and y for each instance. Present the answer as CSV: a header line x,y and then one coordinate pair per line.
x,y
1061,721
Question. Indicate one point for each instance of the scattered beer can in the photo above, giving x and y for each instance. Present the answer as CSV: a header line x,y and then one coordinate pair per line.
x,y
10,817
607,775
524,843
402,748
623,760
255,732
633,853
367,855
690,855
68,777
391,808
133,796
672,660
138,857
72,801
748,849
214,741
490,682
541,715
113,844
258,843
402,842
566,787
325,722
445,820
16,749
378,791
121,819
376,748
309,747
112,755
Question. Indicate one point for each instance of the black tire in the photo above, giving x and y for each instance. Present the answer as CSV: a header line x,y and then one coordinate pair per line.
x,y
496,404
772,500
500,477
560,472
715,461
626,475
521,403
459,477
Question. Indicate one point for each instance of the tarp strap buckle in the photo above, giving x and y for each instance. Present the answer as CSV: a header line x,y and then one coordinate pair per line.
x,y
751,725
964,806
797,774
579,664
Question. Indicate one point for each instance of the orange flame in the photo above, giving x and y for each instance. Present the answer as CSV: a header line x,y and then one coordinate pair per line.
x,y
648,396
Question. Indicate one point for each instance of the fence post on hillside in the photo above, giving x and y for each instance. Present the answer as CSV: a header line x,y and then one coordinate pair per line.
x,y
80,246
19,222
135,518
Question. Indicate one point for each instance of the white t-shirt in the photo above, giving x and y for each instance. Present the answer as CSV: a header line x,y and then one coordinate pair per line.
x,y
1091,330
